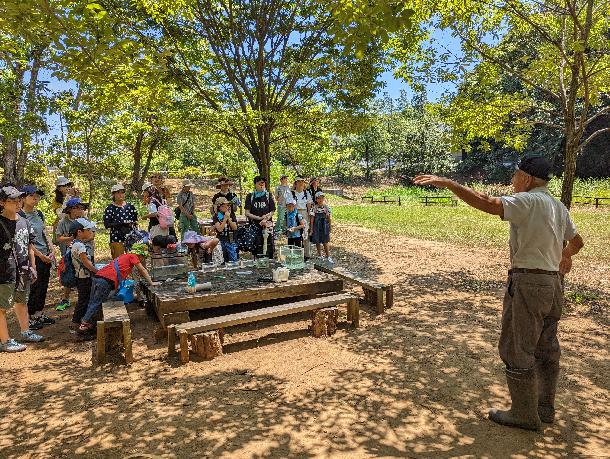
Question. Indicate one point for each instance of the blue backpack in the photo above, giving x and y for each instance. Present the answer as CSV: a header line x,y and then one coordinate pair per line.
x,y
66,270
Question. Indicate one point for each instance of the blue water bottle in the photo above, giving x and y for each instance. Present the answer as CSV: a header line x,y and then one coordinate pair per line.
x,y
191,281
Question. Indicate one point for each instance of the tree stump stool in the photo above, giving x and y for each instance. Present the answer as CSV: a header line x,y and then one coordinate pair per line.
x,y
324,322
207,345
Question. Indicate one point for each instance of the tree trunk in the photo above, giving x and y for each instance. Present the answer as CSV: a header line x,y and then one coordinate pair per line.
x,y
9,160
569,172
10,142
136,179
367,172
30,108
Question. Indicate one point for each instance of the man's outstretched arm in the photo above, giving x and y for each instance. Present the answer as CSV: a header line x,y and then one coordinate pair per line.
x,y
471,197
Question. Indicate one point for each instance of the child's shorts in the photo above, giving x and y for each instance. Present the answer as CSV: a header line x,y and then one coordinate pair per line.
x,y
8,296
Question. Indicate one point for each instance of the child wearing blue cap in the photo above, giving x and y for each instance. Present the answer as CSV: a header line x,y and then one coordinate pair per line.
x,y
73,209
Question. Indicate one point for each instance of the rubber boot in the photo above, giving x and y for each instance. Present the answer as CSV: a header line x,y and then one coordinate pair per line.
x,y
547,374
524,396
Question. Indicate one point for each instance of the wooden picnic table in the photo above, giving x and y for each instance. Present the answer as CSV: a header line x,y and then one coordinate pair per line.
x,y
173,304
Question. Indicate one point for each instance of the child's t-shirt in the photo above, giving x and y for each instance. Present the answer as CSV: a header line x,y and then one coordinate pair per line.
x,y
294,219
323,209
126,263
79,247
224,233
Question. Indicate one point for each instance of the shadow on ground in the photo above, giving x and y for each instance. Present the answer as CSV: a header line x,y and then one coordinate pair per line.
x,y
418,385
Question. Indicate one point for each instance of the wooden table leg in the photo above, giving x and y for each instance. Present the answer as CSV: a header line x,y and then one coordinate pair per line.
x,y
389,296
379,300
171,340
127,342
101,342
184,347
354,306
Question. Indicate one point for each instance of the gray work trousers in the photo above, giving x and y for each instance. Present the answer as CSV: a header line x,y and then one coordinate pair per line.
x,y
532,308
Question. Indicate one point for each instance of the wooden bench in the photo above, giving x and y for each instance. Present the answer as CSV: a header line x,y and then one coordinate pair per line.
x,y
115,317
374,292
183,331
383,199
437,199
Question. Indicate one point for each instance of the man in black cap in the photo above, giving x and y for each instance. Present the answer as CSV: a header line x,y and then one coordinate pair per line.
x,y
539,226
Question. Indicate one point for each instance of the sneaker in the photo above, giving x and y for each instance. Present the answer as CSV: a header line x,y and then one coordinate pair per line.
x,y
36,324
30,337
62,305
12,346
85,328
46,320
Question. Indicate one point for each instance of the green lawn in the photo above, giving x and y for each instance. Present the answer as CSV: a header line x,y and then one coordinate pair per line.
x,y
464,225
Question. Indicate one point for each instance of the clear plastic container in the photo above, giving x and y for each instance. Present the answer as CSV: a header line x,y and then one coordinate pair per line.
x,y
292,257
262,262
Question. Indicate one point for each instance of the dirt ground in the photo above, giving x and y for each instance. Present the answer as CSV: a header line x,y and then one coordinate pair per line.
x,y
416,381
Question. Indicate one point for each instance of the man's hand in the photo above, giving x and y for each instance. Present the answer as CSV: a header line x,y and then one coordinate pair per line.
x,y
565,265
439,182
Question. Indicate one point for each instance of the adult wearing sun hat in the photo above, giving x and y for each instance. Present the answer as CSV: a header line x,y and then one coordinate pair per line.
x,y
120,217
304,203
224,186
540,227
186,208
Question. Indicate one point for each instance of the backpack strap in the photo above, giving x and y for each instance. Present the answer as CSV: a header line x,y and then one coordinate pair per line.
x,y
118,272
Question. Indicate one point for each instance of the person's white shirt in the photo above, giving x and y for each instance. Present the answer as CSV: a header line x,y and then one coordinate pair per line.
x,y
539,225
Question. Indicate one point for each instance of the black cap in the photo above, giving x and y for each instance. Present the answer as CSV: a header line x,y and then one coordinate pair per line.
x,y
536,166
259,178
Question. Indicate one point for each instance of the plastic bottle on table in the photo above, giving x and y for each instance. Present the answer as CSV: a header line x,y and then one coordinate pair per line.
x,y
191,282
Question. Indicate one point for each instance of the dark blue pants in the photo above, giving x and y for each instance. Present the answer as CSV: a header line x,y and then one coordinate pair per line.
x,y
101,289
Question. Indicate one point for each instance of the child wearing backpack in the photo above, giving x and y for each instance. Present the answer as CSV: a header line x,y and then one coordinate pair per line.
x,y
106,280
295,223
81,257
73,209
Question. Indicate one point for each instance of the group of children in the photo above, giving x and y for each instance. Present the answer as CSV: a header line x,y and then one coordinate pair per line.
x,y
302,215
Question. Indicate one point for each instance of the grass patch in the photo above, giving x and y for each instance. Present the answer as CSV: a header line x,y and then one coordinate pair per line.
x,y
582,187
465,225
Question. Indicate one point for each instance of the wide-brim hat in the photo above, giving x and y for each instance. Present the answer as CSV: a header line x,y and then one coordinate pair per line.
x,y
319,194
117,187
187,182
224,181
221,200
146,186
191,237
